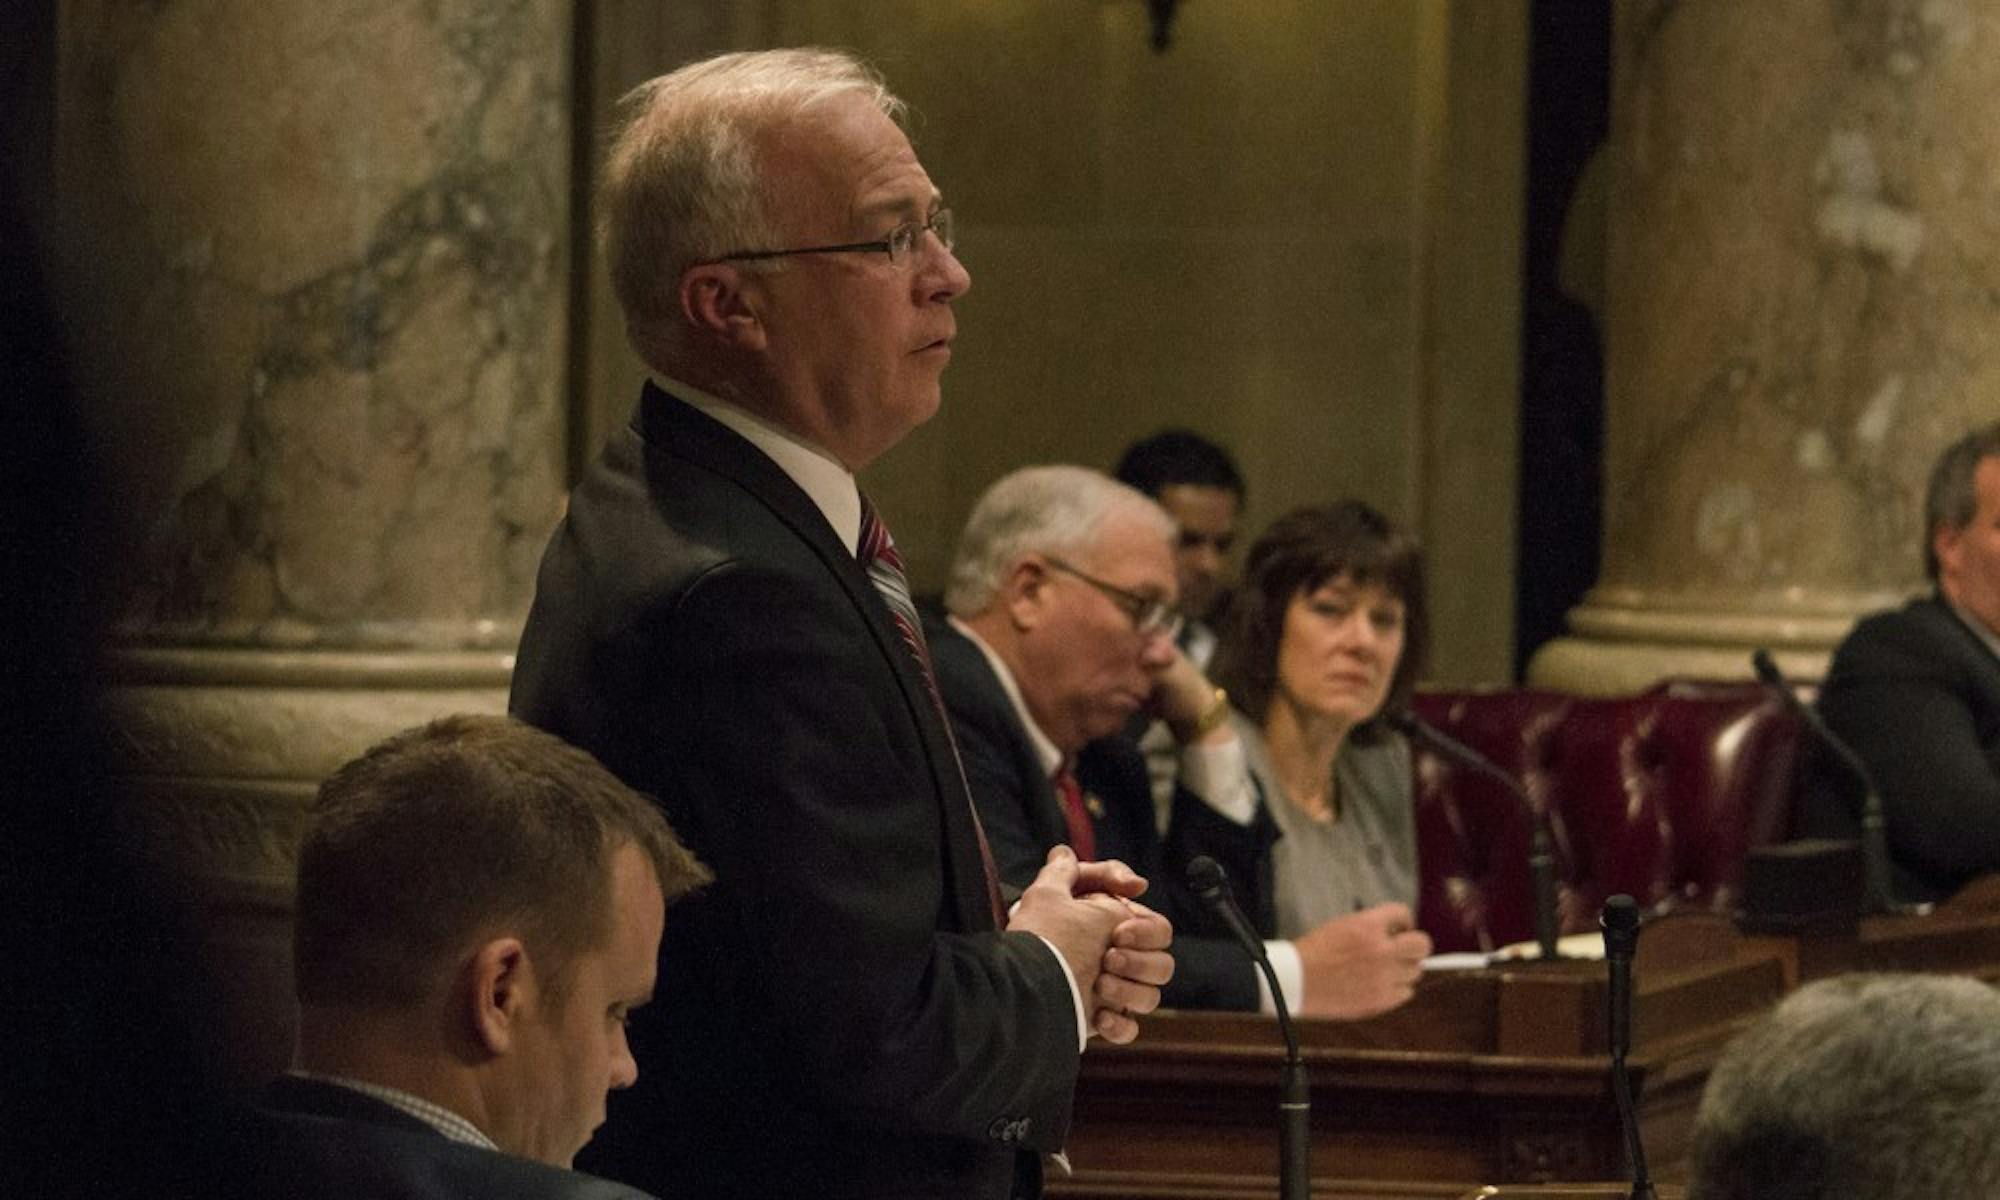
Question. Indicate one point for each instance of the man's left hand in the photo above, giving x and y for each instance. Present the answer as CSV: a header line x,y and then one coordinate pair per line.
x,y
1136,965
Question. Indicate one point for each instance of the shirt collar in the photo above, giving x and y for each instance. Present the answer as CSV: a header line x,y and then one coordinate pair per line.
x,y
1978,627
438,1117
1045,750
819,475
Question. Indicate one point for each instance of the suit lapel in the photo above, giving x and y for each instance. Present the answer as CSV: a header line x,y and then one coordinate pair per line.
x,y
667,425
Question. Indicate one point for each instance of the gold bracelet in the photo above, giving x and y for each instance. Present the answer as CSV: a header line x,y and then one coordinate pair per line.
x,y
1209,721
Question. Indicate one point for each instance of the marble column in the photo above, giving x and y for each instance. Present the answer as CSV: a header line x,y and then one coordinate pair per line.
x,y
1803,286
319,261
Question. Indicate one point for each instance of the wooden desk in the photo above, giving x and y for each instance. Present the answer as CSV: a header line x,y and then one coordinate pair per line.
x,y
1161,1187
1962,937
1492,1076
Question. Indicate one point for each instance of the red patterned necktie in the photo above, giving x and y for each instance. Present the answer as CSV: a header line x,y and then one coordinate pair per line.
x,y
877,552
1082,835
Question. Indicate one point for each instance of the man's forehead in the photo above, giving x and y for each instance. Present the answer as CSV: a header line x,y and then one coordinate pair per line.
x,y
1199,504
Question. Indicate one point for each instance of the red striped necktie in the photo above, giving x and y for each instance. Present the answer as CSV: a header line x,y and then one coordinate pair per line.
x,y
877,552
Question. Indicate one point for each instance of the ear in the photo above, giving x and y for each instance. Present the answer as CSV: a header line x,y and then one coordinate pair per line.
x,y
1946,543
1024,591
498,988
723,302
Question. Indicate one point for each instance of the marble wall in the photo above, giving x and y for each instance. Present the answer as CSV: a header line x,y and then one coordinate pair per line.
x,y
316,260
329,247
1799,318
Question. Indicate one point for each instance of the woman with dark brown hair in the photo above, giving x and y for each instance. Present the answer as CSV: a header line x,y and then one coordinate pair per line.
x,y
1326,635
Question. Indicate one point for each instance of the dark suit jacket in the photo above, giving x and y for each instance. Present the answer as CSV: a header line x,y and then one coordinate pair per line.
x,y
309,1140
1917,694
1023,819
836,1015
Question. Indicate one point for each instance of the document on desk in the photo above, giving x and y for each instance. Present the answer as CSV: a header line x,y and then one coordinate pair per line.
x,y
1588,947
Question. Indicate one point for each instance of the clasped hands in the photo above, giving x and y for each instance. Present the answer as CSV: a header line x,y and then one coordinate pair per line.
x,y
1115,946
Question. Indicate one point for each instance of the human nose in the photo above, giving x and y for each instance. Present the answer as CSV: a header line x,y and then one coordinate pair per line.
x,y
1358,635
1157,650
942,277
624,1067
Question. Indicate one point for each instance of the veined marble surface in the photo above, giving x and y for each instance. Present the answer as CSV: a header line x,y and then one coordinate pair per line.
x,y
1804,282
326,245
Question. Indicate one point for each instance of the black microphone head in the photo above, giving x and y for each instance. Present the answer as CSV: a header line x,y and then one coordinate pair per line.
x,y
1620,916
1767,668
1206,876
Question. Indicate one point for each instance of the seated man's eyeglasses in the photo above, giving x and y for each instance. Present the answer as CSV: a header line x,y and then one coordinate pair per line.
x,y
900,244
1151,615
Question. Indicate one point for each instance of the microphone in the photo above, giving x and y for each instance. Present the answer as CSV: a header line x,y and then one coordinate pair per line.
x,y
1541,852
1206,877
1620,921
1876,898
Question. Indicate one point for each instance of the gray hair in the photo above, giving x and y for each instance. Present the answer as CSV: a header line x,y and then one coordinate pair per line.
x,y
1863,1087
1046,510
1949,500
683,181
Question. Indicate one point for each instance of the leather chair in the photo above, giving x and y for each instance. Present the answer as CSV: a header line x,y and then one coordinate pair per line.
x,y
1660,795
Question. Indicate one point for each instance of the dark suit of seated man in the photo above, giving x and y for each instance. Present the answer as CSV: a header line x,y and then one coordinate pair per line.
x,y
1062,602
479,910
1916,692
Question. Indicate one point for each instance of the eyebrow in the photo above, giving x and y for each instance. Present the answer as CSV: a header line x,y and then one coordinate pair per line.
x,y
900,207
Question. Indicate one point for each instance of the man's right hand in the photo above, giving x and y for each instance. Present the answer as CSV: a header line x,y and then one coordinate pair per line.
x,y
1362,964
1079,927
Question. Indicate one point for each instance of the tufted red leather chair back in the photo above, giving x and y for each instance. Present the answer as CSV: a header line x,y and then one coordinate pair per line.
x,y
1659,795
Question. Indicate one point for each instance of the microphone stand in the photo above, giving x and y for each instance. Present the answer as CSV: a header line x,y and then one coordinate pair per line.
x,y
1206,877
1541,845
1620,921
1876,894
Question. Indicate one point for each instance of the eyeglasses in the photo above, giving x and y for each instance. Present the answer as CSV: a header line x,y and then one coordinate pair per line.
x,y
900,244
1150,615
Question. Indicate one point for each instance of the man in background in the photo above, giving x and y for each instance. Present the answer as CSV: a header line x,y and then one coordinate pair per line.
x,y
1198,484
1861,1087
479,913
1916,693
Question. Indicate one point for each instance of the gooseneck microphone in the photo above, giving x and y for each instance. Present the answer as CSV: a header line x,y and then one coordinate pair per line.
x,y
1541,846
1620,921
1877,897
1205,876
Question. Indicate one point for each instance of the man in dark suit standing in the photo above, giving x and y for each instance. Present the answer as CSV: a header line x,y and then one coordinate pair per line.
x,y
1916,692
723,619
479,912
1063,616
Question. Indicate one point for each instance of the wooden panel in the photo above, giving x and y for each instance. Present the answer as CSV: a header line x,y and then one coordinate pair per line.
x,y
1494,1076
